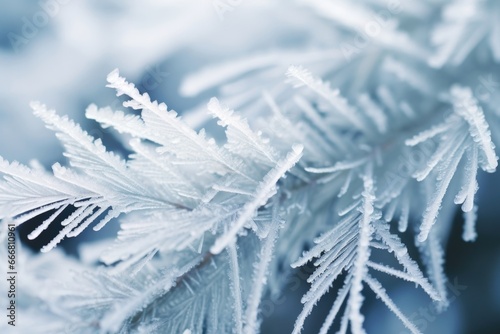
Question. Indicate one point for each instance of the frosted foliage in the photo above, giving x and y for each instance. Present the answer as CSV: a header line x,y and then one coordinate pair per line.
x,y
327,161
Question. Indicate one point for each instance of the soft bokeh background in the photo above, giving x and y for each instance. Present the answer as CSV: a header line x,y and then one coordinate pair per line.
x,y
156,44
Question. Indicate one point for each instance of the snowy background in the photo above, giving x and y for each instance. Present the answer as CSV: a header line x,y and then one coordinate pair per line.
x,y
59,53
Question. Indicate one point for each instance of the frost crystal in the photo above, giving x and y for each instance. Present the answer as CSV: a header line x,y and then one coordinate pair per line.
x,y
336,161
